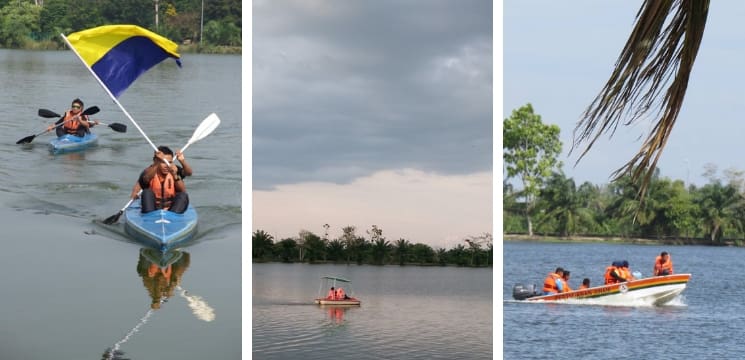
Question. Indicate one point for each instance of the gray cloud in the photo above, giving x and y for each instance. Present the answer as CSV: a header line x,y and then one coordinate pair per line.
x,y
342,89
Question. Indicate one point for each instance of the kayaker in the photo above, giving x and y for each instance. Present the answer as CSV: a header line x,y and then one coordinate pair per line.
x,y
332,294
553,283
585,284
566,275
163,186
74,122
663,264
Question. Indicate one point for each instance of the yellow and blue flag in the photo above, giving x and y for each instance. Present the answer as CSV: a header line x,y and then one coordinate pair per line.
x,y
118,54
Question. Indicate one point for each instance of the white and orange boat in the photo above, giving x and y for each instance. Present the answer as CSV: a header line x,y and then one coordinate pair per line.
x,y
336,282
657,290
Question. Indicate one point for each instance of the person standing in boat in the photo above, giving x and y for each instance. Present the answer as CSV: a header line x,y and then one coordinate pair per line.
x,y
163,186
663,264
565,277
554,283
75,123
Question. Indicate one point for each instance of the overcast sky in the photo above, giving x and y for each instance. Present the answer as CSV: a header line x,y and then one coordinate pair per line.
x,y
558,55
373,112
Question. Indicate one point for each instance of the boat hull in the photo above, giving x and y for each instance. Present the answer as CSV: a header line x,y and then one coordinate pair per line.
x,y
346,302
658,290
69,143
160,229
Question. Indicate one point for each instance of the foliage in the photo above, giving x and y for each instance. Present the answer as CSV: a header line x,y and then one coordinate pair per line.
x,y
531,149
23,22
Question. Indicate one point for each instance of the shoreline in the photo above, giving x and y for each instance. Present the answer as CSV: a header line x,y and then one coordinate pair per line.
x,y
611,240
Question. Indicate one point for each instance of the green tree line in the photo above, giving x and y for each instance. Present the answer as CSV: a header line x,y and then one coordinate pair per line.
x,y
373,249
30,24
672,211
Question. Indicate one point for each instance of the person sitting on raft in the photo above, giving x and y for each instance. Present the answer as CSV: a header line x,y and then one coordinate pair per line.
x,y
331,295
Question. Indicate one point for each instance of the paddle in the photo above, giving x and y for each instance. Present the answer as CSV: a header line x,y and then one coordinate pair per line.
x,y
89,111
208,125
114,126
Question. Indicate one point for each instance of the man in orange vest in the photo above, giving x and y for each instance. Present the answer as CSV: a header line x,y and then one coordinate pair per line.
x,y
663,264
614,273
566,275
585,284
554,283
162,186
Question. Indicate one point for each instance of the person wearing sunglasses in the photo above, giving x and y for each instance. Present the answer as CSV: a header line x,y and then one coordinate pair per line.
x,y
73,122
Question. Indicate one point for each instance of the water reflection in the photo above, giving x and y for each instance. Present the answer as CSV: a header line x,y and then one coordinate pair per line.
x,y
335,313
161,276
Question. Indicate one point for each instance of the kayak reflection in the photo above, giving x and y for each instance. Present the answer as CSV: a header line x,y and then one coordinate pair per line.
x,y
161,273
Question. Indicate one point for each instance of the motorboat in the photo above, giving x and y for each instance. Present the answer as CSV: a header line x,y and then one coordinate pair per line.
x,y
327,282
657,290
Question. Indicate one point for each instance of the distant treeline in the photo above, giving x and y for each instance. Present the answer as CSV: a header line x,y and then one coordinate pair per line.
x,y
671,212
349,248
36,24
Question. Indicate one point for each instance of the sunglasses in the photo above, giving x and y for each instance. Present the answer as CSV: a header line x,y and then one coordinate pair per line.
x,y
76,106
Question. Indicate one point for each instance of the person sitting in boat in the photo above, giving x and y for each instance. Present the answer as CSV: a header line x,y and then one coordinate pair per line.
x,y
340,295
565,278
626,271
74,123
585,284
162,186
553,283
614,273
332,294
663,264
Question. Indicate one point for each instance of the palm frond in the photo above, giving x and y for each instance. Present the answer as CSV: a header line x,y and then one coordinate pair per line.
x,y
658,52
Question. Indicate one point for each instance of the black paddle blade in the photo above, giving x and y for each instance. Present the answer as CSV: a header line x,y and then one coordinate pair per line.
x,y
48,113
118,127
26,140
113,218
91,110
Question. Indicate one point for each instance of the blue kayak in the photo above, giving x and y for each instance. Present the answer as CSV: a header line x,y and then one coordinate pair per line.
x,y
160,229
70,143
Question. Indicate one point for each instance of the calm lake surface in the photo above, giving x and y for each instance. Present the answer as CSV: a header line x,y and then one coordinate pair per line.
x,y
705,322
407,312
71,287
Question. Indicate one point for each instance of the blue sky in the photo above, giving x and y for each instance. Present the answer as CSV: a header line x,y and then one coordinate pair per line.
x,y
558,55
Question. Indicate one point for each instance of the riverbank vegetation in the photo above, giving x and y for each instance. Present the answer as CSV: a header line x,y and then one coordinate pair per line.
x,y
375,249
552,204
198,26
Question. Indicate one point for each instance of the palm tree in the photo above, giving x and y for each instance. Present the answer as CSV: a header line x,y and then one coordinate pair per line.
x,y
262,244
721,207
401,250
658,51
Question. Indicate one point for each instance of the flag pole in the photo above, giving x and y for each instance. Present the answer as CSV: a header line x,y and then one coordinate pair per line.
x,y
109,92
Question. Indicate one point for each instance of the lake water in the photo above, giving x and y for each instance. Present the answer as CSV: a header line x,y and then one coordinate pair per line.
x,y
70,285
407,312
703,323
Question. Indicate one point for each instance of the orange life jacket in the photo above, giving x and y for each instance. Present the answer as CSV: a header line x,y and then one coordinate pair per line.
x,y
331,295
70,126
549,285
339,294
164,190
583,286
659,266
566,286
609,279
626,273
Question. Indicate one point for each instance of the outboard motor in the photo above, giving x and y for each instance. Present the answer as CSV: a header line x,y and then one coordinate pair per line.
x,y
522,292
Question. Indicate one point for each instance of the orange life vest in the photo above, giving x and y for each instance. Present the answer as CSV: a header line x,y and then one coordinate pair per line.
x,y
339,294
659,266
71,127
583,286
549,285
609,279
566,286
331,295
164,190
